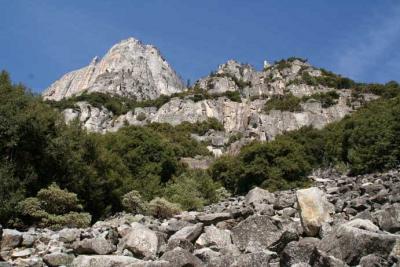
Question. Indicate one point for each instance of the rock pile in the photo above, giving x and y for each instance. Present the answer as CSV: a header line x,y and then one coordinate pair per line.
x,y
341,221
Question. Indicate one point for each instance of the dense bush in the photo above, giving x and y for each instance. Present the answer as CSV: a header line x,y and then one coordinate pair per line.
x,y
287,102
192,190
162,208
327,99
134,203
55,208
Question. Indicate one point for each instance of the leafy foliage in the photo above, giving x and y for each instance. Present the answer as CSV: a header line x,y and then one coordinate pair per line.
x,y
54,207
162,208
287,102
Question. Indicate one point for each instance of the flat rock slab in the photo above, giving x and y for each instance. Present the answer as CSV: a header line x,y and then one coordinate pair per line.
x,y
255,233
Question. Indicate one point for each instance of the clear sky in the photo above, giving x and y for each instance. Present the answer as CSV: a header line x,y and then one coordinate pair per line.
x,y
41,40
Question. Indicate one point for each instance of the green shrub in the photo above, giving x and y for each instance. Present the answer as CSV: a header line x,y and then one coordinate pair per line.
x,y
141,116
287,102
133,202
163,209
222,194
192,190
54,208
327,99
58,201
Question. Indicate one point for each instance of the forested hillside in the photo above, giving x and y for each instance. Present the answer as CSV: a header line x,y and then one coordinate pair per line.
x,y
38,149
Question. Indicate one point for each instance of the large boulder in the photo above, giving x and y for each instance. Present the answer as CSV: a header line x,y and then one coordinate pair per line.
x,y
213,236
10,239
258,198
256,259
58,259
314,209
389,218
350,244
257,232
141,241
98,245
180,257
298,251
103,261
69,235
190,233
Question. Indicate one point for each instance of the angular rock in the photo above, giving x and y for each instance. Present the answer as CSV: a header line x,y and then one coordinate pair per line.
x,y
314,209
299,251
23,253
213,236
58,259
257,198
372,261
189,232
69,235
389,218
10,239
141,241
256,232
321,259
350,244
103,261
181,258
181,243
98,245
256,259
214,218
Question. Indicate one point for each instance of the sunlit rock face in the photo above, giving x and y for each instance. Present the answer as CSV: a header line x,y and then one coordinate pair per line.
x,y
129,69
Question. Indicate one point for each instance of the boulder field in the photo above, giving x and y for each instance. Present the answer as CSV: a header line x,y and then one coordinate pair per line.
x,y
340,221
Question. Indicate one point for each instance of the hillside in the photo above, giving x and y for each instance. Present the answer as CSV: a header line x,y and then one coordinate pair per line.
x,y
124,134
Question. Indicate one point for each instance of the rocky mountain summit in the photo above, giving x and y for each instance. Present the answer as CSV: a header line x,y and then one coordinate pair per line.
x,y
341,221
235,94
130,69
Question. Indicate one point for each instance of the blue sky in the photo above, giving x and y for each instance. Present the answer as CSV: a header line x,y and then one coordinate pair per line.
x,y
41,40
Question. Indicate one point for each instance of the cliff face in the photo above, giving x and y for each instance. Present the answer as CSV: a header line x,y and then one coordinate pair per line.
x,y
235,94
129,69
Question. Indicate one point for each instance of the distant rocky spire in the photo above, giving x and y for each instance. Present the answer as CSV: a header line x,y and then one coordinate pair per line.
x,y
151,77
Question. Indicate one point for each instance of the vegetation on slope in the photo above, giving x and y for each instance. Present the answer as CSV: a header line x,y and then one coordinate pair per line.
x,y
37,149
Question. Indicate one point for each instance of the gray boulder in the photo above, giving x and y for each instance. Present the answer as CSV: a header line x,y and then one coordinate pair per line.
x,y
58,259
350,244
98,245
258,198
213,218
181,258
69,235
10,239
389,218
298,251
189,232
257,232
103,261
141,241
213,236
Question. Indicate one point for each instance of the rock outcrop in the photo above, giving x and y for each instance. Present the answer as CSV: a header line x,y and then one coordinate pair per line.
x,y
244,115
130,69
242,231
